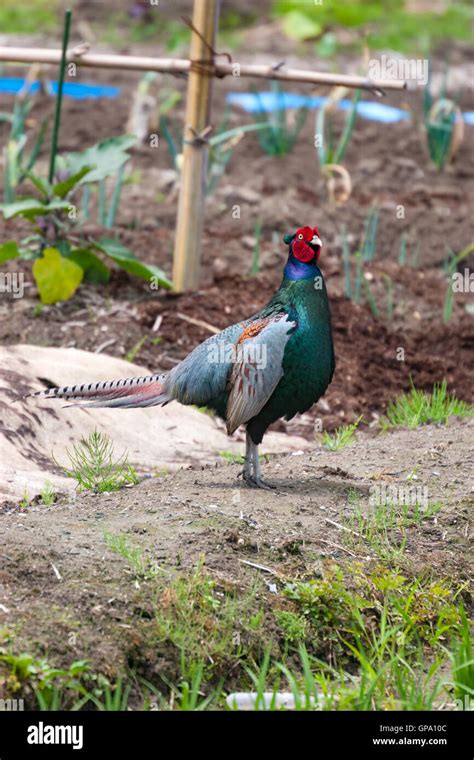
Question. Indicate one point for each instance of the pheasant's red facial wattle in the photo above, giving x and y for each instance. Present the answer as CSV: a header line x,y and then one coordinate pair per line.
x,y
302,251
306,244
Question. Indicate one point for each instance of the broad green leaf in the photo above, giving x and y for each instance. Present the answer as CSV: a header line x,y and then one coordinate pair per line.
x,y
106,158
55,205
57,278
62,188
94,269
21,207
9,250
41,184
114,248
127,261
63,246
298,26
31,208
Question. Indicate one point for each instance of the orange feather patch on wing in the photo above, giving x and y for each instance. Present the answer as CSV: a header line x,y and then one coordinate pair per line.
x,y
253,329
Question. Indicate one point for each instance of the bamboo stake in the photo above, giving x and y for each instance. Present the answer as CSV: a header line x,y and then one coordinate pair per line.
x,y
59,95
187,249
183,65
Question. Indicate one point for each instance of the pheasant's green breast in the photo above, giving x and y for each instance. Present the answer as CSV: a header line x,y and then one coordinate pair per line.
x,y
308,362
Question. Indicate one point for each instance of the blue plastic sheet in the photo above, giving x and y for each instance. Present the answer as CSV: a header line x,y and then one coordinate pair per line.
x,y
267,102
76,90
264,102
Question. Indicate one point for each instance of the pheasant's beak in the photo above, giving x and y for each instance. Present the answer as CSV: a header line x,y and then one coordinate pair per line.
x,y
316,241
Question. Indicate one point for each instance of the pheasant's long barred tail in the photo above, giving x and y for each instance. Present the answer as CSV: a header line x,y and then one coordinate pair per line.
x,y
127,393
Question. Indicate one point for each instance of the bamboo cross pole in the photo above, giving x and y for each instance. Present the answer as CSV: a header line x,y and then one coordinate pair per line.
x,y
182,66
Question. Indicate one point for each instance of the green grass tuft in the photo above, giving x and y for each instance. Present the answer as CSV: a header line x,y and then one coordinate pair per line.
x,y
463,665
341,437
382,528
48,496
419,407
203,623
229,456
141,567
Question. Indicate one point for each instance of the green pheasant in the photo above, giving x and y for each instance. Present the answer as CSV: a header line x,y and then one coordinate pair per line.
x,y
275,364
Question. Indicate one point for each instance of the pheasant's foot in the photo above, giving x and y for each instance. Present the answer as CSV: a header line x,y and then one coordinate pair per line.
x,y
257,482
251,471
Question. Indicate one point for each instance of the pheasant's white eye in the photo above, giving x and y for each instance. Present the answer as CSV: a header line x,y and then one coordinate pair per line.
x,y
300,236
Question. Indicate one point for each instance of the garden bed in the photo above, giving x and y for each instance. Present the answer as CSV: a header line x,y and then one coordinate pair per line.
x,y
389,167
167,593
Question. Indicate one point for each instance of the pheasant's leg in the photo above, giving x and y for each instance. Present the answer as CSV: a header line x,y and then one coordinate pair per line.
x,y
251,472
247,472
256,463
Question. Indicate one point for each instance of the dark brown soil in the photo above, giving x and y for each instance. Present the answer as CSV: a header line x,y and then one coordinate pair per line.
x,y
375,359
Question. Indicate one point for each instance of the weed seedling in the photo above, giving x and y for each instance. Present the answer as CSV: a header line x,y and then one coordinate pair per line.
x,y
341,437
92,464
48,496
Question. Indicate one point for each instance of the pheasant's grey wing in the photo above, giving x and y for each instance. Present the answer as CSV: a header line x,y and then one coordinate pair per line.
x,y
198,379
204,373
257,369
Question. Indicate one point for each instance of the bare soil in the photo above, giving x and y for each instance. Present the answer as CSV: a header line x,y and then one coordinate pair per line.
x,y
58,577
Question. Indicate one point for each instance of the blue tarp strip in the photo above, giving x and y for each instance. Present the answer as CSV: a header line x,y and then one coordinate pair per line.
x,y
264,102
76,90
267,102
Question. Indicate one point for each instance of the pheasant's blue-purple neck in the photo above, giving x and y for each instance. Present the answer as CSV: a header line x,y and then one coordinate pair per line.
x,y
300,270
